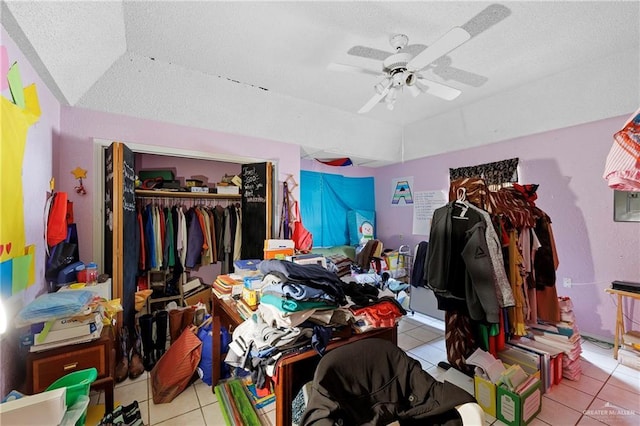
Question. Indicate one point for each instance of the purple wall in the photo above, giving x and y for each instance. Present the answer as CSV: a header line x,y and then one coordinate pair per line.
x,y
186,168
568,164
36,173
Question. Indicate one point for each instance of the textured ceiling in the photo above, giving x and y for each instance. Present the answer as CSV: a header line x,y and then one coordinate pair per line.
x,y
260,68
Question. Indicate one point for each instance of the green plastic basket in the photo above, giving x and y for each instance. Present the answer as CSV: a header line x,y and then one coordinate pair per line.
x,y
77,383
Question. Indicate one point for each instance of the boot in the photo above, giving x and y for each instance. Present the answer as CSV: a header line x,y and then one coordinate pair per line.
x,y
187,317
175,324
122,368
146,334
136,366
162,318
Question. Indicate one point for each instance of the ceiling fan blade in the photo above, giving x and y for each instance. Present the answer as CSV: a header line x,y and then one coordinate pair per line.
x,y
440,90
413,49
369,52
350,68
445,44
487,18
462,76
376,98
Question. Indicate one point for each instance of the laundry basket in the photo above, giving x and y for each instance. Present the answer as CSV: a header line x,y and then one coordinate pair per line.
x,y
77,384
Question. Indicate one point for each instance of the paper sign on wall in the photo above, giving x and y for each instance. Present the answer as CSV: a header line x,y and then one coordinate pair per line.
x,y
425,203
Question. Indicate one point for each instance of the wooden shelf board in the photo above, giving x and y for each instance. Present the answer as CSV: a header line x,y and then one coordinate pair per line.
x,y
177,194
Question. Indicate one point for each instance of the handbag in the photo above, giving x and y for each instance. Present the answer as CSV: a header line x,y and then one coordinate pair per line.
x,y
302,237
173,372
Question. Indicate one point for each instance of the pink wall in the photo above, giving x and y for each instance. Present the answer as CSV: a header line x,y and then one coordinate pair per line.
x,y
80,126
186,168
568,164
36,173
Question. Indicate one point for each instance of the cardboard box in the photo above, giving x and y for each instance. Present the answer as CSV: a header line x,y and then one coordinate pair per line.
x,y
202,295
250,297
228,190
515,410
278,244
278,253
485,393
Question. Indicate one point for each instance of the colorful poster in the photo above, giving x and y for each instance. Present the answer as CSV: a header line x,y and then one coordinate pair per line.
x,y
401,191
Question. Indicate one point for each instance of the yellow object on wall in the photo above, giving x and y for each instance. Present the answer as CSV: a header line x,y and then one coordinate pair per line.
x,y
14,124
17,261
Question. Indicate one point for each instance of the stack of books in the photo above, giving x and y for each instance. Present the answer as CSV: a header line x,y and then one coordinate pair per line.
x,y
224,284
550,360
63,332
260,398
562,336
244,309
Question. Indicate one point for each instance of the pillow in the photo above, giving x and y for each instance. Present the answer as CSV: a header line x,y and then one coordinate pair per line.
x,y
361,224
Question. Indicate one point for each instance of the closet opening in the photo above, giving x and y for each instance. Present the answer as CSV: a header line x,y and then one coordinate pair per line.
x,y
206,164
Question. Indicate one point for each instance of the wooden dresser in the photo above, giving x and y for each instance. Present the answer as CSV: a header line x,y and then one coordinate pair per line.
x,y
44,368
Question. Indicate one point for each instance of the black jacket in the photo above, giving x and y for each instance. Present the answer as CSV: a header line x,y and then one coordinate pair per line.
x,y
373,382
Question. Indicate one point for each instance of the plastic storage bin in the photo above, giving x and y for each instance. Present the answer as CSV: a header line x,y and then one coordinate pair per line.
x,y
77,383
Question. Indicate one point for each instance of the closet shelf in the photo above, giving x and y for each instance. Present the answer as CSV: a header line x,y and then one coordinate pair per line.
x,y
177,194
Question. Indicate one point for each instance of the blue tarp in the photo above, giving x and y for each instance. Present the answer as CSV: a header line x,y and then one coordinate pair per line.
x,y
325,200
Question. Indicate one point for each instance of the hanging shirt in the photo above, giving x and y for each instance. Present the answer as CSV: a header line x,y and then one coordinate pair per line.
x,y
195,239
237,245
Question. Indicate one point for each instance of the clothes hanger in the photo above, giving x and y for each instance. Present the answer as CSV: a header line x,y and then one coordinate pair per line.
x,y
461,200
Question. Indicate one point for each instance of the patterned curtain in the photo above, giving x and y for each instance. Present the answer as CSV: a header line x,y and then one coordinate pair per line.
x,y
497,173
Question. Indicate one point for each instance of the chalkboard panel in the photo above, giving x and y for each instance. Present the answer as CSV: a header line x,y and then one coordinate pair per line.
x,y
108,212
120,237
256,208
130,235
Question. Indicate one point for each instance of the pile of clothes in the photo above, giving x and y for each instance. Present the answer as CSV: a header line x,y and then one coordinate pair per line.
x,y
303,307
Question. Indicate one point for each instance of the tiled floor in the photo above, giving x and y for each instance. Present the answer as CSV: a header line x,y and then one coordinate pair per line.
x,y
607,393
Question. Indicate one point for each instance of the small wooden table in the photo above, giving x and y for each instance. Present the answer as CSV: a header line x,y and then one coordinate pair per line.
x,y
223,313
293,370
44,368
620,316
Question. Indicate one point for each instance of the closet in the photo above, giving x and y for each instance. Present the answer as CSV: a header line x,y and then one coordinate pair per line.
x,y
170,252
121,238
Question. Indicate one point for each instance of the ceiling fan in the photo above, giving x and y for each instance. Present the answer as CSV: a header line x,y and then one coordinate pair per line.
x,y
403,67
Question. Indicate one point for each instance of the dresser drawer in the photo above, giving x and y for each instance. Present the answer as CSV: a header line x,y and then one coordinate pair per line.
x,y
48,369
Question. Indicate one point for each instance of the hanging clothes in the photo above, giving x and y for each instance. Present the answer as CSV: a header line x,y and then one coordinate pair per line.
x,y
460,271
237,244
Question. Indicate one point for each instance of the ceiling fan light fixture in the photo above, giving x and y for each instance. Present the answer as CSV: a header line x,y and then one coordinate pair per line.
x,y
414,90
409,78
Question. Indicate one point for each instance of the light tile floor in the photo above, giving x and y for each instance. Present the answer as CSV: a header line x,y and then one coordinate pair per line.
x,y
607,393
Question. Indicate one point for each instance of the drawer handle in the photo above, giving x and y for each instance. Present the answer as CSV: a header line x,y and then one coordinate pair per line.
x,y
70,366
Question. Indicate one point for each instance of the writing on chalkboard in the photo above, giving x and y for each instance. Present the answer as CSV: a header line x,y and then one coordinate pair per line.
x,y
128,188
253,185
